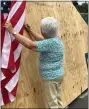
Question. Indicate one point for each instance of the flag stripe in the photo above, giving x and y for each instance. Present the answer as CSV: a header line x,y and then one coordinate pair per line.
x,y
17,52
3,17
11,97
1,98
13,92
2,77
6,49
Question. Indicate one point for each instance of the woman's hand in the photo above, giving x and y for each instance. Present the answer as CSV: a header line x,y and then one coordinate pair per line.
x,y
31,33
27,28
9,27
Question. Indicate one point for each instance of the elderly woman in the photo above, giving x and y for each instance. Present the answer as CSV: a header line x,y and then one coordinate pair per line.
x,y
51,49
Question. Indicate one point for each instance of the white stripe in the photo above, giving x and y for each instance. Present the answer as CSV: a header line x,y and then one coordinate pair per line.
x,y
14,9
2,77
1,98
20,23
11,97
17,52
6,49
12,83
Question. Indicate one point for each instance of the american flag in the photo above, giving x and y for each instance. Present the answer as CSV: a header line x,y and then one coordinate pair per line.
x,y
10,49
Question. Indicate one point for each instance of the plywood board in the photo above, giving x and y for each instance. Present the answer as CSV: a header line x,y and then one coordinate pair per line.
x,y
75,38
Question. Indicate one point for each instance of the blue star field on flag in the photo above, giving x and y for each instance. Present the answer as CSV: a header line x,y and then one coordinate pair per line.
x,y
5,6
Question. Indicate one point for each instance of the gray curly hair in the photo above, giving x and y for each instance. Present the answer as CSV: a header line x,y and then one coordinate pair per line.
x,y
49,26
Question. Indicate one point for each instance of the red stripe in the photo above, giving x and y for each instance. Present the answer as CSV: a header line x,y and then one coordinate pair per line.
x,y
13,92
4,94
14,20
21,31
11,59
